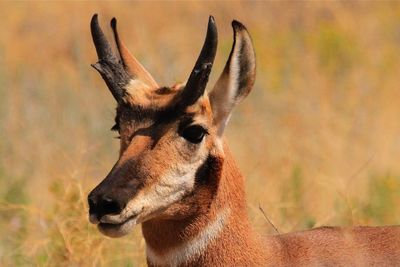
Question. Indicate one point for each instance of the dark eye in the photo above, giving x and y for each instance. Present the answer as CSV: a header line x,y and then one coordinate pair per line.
x,y
194,133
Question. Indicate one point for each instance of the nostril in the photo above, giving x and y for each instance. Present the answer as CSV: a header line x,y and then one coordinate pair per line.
x,y
100,205
110,206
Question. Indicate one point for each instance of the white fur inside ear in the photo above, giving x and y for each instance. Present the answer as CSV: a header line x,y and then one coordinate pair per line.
x,y
229,100
236,80
234,72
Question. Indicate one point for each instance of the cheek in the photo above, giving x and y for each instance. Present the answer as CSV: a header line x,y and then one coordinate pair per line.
x,y
189,152
172,178
170,187
179,167
178,181
180,175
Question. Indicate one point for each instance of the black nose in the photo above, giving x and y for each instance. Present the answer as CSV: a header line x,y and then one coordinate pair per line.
x,y
103,205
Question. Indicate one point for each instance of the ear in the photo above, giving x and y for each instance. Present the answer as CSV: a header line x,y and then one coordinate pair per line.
x,y
237,79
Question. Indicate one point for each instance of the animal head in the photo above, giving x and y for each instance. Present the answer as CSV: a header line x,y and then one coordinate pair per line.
x,y
171,148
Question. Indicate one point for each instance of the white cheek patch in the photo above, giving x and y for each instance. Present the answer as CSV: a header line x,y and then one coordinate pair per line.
x,y
171,187
193,248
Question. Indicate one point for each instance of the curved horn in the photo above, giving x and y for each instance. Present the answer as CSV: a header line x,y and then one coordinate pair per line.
x,y
131,64
108,65
198,79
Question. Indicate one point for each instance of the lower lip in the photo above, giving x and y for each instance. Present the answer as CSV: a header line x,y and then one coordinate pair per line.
x,y
115,228
110,225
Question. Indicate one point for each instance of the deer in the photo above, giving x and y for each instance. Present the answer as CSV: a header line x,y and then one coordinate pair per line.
x,y
176,176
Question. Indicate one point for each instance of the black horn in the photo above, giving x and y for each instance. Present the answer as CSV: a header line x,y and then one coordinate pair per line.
x,y
198,79
109,66
103,48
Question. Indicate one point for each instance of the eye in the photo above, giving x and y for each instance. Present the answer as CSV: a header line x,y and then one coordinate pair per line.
x,y
194,133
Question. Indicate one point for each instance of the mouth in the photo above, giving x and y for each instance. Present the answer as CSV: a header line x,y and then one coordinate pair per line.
x,y
117,229
115,225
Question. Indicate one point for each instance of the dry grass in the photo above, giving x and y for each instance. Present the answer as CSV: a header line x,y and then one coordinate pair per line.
x,y
318,139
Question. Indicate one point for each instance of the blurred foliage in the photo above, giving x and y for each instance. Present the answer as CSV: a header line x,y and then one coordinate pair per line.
x,y
382,205
318,138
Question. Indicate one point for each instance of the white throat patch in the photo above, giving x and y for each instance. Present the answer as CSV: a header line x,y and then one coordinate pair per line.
x,y
192,248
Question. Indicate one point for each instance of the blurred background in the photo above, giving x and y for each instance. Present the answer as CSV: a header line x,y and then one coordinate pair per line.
x,y
318,139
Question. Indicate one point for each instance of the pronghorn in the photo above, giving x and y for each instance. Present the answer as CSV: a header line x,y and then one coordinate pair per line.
x,y
176,176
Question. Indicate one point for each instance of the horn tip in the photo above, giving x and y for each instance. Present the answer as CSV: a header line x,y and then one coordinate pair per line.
x,y
94,18
211,22
113,23
211,19
212,26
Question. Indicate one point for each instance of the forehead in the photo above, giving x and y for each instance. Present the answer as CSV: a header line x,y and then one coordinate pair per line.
x,y
146,105
139,94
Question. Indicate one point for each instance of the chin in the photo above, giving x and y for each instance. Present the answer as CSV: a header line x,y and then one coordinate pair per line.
x,y
116,230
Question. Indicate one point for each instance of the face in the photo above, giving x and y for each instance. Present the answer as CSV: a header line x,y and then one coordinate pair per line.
x,y
170,137
162,150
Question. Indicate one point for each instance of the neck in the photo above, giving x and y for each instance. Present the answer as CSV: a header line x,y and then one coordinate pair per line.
x,y
217,233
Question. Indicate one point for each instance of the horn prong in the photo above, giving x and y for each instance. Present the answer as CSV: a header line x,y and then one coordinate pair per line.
x,y
131,64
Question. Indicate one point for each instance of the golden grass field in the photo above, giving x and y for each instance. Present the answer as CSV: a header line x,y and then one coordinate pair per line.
x,y
318,139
